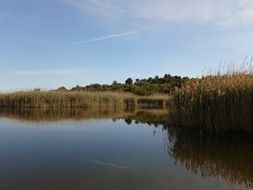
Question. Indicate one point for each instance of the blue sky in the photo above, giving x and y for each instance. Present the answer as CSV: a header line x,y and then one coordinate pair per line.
x,y
51,43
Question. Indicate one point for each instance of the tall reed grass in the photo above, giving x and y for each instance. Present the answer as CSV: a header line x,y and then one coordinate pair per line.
x,y
61,99
222,101
54,99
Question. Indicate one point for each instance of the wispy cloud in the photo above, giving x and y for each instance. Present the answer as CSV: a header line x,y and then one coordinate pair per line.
x,y
107,37
5,15
215,11
53,72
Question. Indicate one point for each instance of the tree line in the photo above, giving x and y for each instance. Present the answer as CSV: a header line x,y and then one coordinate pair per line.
x,y
145,87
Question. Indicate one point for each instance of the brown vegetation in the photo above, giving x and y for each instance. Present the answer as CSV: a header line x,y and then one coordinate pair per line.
x,y
217,102
55,99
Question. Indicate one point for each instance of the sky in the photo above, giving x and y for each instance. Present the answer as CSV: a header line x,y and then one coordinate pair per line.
x,y
51,43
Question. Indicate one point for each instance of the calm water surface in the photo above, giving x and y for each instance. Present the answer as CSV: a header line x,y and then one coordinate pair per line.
x,y
119,154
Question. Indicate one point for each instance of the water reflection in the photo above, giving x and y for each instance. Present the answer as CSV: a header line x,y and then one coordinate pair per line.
x,y
47,115
149,116
226,156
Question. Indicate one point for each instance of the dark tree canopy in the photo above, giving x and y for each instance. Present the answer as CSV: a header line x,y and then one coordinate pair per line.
x,y
152,85
129,81
62,88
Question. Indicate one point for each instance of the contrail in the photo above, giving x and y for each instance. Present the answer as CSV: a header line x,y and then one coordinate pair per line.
x,y
106,37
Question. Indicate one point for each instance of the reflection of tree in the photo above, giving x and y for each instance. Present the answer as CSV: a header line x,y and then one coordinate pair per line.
x,y
128,121
150,117
228,155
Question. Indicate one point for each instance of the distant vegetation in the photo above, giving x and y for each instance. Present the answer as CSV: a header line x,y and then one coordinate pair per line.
x,y
219,102
144,87
129,94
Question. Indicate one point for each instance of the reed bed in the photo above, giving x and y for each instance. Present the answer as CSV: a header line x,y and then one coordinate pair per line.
x,y
220,102
55,100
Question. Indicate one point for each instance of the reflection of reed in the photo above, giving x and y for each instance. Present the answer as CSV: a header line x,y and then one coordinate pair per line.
x,y
150,116
61,114
228,155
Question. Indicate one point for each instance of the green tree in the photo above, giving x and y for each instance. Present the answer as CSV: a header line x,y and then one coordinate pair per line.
x,y
129,81
61,89
114,82
37,90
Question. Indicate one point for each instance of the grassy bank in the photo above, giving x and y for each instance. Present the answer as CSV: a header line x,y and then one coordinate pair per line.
x,y
218,102
55,99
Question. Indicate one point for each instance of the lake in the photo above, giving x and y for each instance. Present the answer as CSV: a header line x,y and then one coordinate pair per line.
x,y
105,150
